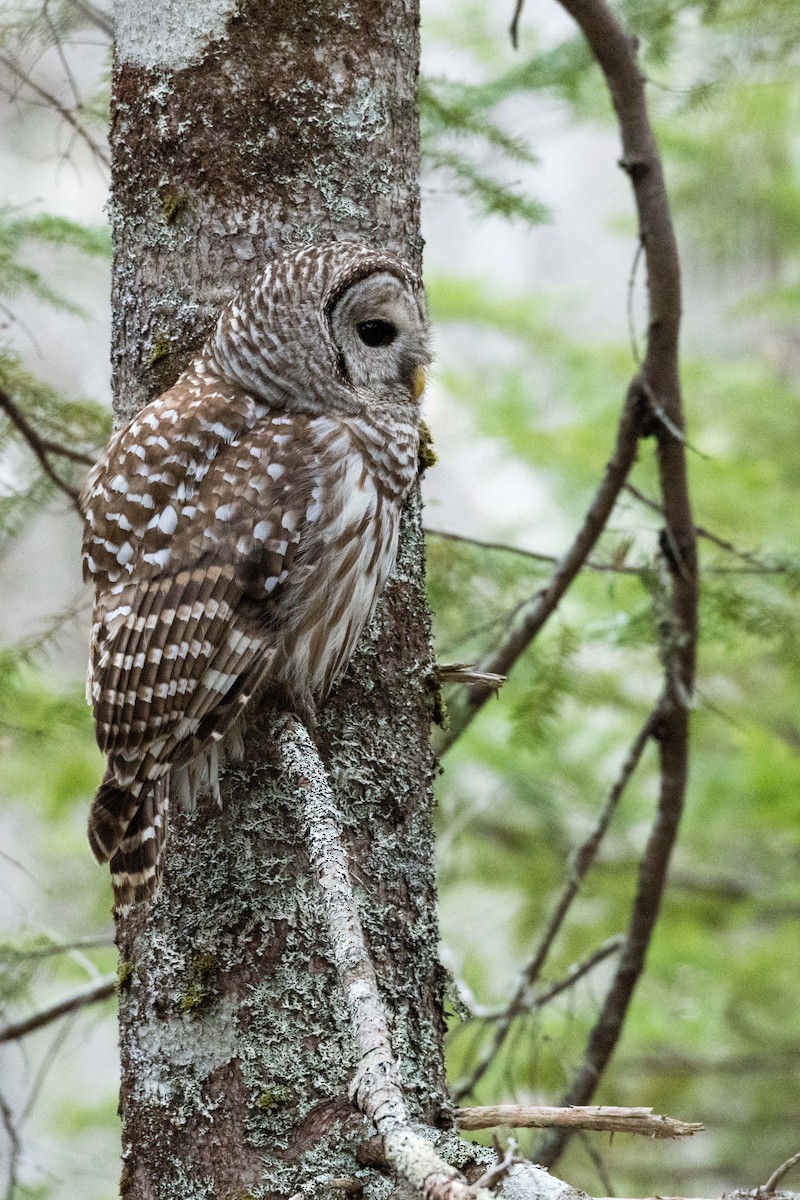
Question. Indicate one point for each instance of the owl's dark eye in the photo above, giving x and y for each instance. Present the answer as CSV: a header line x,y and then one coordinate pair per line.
x,y
376,333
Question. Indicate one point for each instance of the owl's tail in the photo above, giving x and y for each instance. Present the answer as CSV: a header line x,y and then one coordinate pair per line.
x,y
130,830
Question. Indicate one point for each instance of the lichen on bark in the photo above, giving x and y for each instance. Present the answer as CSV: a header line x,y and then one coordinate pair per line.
x,y
291,123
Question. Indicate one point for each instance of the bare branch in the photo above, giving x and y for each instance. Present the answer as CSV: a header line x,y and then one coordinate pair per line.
x,y
596,1159
536,555
578,971
477,1012
55,948
637,258
14,1148
592,1116
650,885
467,673
615,53
514,27
96,16
377,1089
497,1173
54,103
43,448
779,1172
98,989
581,862
757,565
532,616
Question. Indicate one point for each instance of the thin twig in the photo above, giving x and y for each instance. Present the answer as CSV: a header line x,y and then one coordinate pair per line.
x,y
577,972
706,534
651,879
611,946
98,989
65,67
579,866
42,449
377,1089
56,948
533,615
95,16
591,1116
536,555
14,1147
597,1161
538,1000
778,1174
637,357
757,567
498,1171
76,456
53,102
514,27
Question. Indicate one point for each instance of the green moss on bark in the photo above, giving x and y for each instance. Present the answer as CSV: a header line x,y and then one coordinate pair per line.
x,y
203,986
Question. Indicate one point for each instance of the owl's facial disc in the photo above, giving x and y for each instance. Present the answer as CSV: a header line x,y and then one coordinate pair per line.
x,y
381,335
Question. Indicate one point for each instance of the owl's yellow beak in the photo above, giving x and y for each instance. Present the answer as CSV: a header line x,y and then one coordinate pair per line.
x,y
419,382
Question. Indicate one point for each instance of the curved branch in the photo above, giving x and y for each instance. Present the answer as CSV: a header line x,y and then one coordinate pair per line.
x,y
98,989
42,449
615,53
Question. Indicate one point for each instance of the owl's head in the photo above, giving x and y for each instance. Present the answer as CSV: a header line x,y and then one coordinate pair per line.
x,y
340,327
379,327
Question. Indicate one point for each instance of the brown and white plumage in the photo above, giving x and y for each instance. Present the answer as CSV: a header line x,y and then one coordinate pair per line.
x,y
241,528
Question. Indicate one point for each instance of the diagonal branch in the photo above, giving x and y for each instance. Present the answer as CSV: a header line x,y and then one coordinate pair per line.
x,y
533,615
535,555
95,16
758,565
43,448
576,972
98,989
581,862
53,102
778,1174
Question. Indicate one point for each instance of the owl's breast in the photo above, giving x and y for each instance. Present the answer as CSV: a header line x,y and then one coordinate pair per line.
x,y
353,548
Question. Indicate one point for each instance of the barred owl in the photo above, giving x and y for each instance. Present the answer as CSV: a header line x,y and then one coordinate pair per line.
x,y
241,528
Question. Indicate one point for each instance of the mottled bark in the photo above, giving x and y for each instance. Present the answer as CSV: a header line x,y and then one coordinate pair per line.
x,y
235,134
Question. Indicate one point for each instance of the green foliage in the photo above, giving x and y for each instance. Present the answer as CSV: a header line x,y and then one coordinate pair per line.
x,y
449,116
72,430
17,230
537,708
50,758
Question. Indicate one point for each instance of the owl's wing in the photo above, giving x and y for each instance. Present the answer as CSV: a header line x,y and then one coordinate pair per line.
x,y
185,633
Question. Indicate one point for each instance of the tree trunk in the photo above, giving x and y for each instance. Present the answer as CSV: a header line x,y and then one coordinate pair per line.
x,y
238,130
